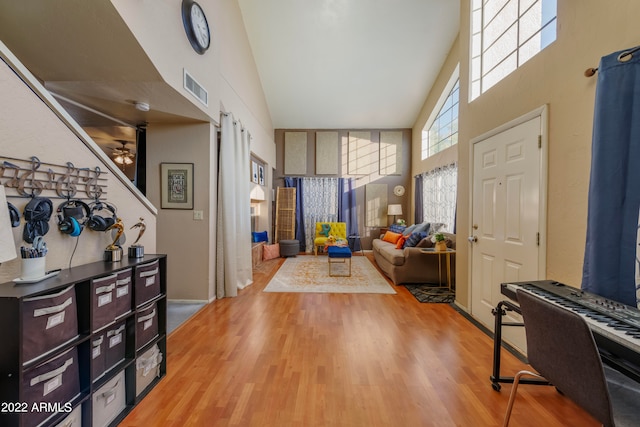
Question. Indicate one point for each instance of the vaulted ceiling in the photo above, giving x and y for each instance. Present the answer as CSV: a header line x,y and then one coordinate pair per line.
x,y
349,63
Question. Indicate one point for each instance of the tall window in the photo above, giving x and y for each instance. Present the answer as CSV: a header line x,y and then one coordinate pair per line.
x,y
442,131
504,35
439,189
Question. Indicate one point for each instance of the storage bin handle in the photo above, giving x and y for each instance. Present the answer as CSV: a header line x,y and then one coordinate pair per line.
x,y
115,331
149,273
147,317
105,289
52,374
98,342
107,394
125,281
51,310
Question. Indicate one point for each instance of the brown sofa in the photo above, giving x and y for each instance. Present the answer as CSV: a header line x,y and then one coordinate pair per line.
x,y
409,265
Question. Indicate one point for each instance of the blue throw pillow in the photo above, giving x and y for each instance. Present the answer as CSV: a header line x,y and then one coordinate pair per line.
x,y
396,228
259,236
407,232
414,239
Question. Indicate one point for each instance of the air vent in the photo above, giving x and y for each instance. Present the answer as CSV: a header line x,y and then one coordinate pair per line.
x,y
195,89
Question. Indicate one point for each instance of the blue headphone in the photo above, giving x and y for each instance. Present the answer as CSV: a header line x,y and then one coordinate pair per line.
x,y
72,215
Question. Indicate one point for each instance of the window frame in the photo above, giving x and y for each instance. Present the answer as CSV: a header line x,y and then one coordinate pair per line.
x,y
437,109
477,73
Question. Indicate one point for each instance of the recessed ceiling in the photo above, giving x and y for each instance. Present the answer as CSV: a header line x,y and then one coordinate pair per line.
x,y
348,63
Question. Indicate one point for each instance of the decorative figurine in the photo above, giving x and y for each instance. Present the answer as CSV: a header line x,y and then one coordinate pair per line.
x,y
113,252
136,250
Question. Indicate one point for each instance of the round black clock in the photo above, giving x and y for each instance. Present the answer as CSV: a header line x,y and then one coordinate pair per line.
x,y
196,26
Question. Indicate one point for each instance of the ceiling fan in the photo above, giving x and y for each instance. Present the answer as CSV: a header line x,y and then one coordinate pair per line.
x,y
123,155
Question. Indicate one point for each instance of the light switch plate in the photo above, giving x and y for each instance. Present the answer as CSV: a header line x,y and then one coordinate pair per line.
x,y
198,215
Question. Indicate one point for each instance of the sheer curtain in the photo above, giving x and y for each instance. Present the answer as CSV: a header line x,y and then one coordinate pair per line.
x,y
320,199
233,253
439,189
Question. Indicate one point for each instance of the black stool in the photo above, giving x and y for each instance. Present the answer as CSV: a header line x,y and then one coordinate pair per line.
x,y
289,248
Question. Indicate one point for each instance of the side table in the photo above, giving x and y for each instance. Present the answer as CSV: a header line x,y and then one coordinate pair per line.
x,y
447,255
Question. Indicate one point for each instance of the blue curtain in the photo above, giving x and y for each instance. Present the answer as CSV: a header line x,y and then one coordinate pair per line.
x,y
297,183
614,194
348,209
419,209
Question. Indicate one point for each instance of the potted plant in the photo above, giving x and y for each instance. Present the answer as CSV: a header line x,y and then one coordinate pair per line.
x,y
440,245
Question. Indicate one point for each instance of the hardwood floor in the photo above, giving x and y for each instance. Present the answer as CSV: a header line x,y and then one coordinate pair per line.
x,y
301,359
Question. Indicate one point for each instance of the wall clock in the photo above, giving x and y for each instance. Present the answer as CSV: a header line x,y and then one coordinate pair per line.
x,y
196,26
398,190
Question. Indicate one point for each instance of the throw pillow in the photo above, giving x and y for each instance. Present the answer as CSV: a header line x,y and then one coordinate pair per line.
x,y
391,237
414,239
259,236
400,243
425,243
425,226
407,232
270,251
436,227
325,229
396,228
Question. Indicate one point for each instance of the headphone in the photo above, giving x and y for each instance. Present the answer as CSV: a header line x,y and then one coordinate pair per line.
x,y
100,223
72,216
14,214
36,215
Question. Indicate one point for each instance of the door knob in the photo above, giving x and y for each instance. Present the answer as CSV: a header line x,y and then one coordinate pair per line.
x,y
472,239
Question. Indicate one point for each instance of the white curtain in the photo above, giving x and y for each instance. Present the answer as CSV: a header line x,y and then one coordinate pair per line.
x,y
439,189
320,201
233,254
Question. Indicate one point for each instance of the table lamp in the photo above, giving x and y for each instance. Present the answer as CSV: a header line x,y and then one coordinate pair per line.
x,y
394,210
7,244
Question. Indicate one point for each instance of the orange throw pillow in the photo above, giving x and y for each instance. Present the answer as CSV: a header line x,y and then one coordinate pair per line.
x,y
391,237
401,241
270,251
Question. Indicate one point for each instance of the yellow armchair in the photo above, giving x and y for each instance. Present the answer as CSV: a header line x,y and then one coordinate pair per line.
x,y
335,229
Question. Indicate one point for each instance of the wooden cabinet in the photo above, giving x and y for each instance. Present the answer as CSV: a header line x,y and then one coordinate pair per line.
x,y
70,343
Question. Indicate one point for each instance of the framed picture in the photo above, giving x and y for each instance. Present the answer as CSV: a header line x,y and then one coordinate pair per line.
x,y
254,172
176,185
261,174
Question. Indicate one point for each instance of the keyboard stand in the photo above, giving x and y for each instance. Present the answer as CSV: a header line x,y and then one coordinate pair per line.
x,y
501,310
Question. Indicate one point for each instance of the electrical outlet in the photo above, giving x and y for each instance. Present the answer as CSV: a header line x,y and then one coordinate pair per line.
x,y
198,215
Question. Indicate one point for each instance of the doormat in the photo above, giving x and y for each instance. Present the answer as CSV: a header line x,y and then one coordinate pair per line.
x,y
431,293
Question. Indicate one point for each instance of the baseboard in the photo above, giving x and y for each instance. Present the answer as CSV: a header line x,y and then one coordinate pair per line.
x,y
188,301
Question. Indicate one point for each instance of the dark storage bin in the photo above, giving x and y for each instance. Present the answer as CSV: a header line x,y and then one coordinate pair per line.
x,y
146,325
147,282
123,292
56,381
103,301
109,401
48,321
115,344
98,356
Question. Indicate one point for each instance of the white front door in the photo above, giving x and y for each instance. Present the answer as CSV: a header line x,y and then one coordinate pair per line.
x,y
505,218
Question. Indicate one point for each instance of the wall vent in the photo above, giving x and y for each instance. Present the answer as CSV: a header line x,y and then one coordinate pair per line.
x,y
195,89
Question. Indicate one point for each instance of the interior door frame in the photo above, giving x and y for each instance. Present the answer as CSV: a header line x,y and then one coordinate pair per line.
x,y
543,113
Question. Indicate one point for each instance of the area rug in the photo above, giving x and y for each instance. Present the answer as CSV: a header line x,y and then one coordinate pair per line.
x,y
431,293
307,273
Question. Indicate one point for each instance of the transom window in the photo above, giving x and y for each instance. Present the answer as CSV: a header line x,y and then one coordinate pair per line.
x,y
504,35
442,132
